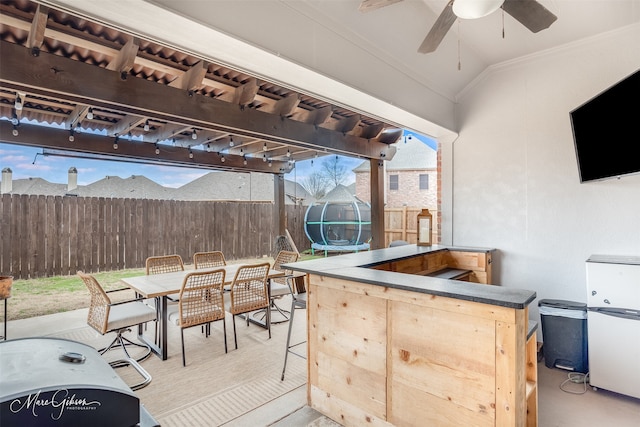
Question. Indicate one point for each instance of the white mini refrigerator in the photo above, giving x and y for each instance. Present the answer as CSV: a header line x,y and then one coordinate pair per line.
x,y
613,323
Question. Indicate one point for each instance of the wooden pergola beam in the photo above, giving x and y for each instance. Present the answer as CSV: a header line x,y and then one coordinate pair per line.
x,y
131,150
36,32
73,81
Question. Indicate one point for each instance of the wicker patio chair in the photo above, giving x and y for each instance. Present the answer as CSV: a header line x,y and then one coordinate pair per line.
x,y
249,292
208,259
158,265
105,316
201,302
164,264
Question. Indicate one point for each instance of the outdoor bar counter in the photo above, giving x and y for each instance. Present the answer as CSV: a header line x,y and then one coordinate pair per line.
x,y
392,343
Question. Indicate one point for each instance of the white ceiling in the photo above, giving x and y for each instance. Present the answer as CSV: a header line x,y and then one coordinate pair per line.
x,y
374,52
393,33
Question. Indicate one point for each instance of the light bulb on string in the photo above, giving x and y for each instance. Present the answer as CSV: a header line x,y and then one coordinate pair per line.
x,y
19,104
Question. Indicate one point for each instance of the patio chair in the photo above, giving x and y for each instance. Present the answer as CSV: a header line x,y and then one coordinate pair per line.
x,y
281,286
201,302
164,264
105,317
249,293
299,301
208,259
158,265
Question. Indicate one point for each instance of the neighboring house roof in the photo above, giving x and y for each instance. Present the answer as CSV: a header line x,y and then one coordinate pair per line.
x,y
340,194
352,188
212,186
411,154
134,187
295,193
38,186
227,186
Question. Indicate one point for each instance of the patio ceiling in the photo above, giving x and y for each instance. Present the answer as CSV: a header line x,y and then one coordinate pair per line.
x,y
109,93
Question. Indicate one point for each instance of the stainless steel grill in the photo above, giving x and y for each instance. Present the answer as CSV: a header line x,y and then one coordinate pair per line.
x,y
57,382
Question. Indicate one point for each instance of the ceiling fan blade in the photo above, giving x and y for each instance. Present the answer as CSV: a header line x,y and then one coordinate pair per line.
x,y
439,29
530,13
369,5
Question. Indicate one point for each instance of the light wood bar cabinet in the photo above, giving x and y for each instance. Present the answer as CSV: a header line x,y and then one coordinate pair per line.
x,y
391,348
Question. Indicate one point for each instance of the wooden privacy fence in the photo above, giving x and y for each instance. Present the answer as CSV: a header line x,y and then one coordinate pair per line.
x,y
46,236
402,224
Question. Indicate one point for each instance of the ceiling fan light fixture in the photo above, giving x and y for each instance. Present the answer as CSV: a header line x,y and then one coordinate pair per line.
x,y
474,9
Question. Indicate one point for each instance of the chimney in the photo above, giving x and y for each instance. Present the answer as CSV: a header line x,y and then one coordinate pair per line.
x,y
7,185
73,179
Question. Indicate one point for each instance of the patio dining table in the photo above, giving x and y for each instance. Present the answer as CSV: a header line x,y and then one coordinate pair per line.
x,y
160,286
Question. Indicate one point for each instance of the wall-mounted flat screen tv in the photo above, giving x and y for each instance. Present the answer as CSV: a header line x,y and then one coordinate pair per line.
x,y
606,132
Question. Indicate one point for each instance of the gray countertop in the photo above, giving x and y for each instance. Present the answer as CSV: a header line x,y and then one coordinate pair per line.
x,y
356,267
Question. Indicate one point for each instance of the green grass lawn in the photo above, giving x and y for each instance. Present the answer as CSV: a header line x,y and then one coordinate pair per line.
x,y
48,295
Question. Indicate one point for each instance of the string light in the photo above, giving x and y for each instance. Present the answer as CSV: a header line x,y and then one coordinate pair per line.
x,y
288,153
71,137
115,143
15,132
157,149
19,104
244,160
146,126
264,147
194,135
90,114
190,154
264,157
231,144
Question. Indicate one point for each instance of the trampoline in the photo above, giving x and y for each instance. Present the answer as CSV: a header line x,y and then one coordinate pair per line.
x,y
338,223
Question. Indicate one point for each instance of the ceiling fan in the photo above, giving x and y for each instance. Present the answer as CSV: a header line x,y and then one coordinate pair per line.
x,y
529,13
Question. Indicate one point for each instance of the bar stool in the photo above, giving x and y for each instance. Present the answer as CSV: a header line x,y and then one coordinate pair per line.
x,y
298,301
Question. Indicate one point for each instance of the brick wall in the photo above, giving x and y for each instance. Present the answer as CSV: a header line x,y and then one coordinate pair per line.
x,y
408,192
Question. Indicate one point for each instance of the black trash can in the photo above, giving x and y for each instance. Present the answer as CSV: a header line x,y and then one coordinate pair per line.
x,y
564,334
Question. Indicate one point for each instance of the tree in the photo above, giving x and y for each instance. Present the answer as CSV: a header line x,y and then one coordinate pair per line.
x,y
334,171
316,185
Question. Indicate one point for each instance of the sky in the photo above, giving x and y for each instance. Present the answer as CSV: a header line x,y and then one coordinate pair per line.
x,y
28,162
